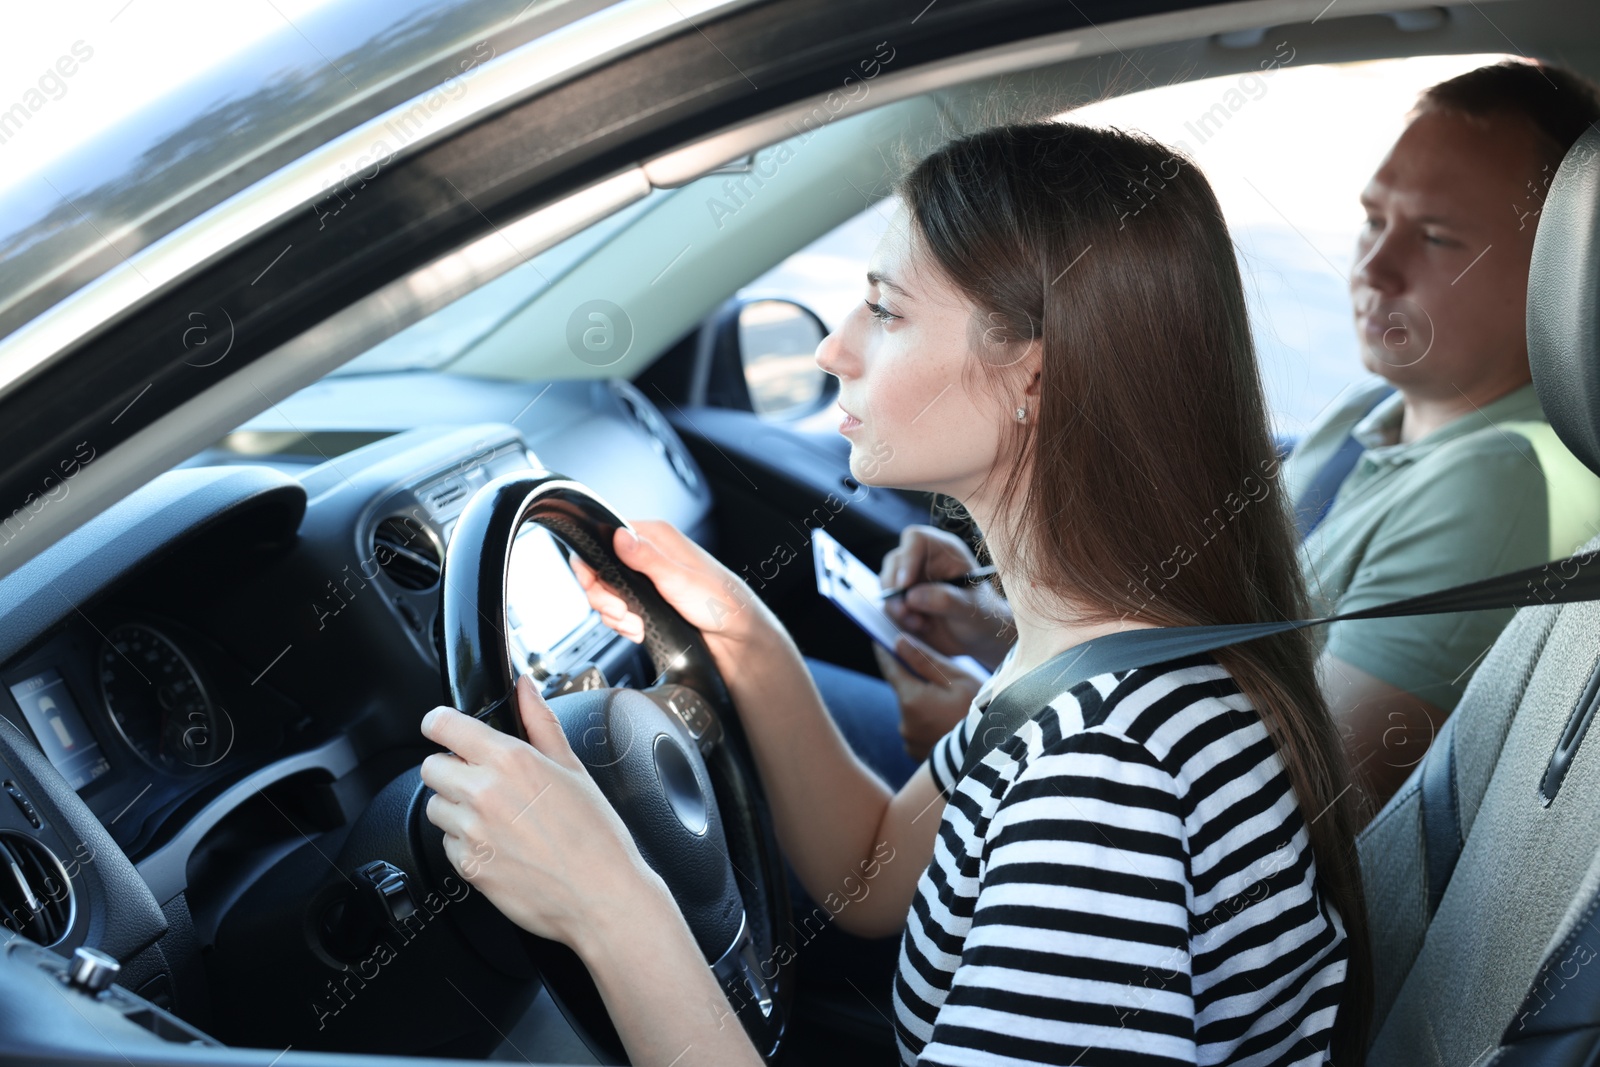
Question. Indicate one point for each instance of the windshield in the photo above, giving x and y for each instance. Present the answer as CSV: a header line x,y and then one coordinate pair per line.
x,y
452,330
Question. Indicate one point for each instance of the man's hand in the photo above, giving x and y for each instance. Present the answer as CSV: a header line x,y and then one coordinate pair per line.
x,y
951,619
1386,730
931,709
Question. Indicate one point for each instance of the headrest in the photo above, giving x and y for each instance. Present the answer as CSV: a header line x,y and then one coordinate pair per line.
x,y
1564,301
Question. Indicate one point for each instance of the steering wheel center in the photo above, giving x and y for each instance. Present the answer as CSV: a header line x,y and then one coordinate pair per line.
x,y
646,762
682,788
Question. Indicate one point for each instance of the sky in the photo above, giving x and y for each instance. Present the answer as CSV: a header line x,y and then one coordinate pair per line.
x,y
1287,166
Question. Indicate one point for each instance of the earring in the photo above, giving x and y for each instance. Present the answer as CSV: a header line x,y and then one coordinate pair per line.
x,y
1022,413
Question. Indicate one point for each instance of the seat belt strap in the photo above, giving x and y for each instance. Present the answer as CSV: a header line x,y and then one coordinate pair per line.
x,y
1565,581
1441,813
1317,498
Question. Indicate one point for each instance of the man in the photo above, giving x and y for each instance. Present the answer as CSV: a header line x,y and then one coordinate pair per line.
x,y
1458,475
1438,470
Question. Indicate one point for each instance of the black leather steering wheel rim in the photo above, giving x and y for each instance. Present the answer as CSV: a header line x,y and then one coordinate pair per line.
x,y
479,679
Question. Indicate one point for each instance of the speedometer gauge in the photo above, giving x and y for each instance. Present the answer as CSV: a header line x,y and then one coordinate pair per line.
x,y
157,701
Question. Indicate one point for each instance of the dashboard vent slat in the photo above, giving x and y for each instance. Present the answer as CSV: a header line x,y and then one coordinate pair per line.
x,y
444,494
665,441
35,892
407,553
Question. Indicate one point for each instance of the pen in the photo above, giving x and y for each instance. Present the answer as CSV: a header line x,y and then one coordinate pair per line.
x,y
969,578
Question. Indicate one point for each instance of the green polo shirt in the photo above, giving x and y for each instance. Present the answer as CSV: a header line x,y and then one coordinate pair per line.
x,y
1490,492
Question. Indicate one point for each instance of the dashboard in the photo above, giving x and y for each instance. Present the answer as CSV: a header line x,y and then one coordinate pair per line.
x,y
140,706
235,657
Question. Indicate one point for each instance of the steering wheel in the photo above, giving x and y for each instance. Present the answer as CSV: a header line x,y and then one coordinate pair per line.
x,y
671,758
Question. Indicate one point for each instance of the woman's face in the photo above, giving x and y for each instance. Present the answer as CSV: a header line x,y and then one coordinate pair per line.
x,y
917,413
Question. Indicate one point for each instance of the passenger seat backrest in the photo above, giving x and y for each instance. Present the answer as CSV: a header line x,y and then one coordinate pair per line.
x,y
1564,300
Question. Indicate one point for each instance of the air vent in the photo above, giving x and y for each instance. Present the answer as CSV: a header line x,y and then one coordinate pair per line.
x,y
666,441
407,553
34,890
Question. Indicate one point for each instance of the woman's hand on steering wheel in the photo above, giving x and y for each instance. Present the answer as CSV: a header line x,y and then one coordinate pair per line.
x,y
526,824
709,596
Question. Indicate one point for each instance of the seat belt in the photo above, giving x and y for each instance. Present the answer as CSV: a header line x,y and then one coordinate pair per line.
x,y
1573,579
1565,581
1317,498
1441,814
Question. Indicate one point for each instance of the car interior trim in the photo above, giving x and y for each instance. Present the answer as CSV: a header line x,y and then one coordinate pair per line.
x,y
166,868
683,165
174,507
1441,814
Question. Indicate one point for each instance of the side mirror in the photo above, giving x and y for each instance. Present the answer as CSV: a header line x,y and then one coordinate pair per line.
x,y
759,355
778,346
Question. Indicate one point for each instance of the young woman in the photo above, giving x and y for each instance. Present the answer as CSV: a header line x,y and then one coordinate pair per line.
x,y
1160,867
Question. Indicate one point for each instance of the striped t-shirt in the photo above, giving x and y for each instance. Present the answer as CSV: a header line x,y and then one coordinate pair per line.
x,y
1127,879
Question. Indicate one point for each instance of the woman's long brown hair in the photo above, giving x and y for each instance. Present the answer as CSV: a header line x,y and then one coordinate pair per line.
x,y
1151,490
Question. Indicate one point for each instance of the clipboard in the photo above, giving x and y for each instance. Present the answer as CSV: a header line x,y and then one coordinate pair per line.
x,y
854,588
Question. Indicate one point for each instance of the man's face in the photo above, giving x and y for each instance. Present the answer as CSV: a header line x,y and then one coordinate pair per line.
x,y
1440,282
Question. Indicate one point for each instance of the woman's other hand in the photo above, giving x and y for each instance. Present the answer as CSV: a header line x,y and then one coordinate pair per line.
x,y
525,824
928,709
954,620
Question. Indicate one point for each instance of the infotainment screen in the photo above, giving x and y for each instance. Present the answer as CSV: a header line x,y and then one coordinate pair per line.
x,y
545,601
62,733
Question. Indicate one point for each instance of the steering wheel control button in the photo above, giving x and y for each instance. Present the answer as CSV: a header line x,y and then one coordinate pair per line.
x,y
24,806
92,970
690,708
591,677
681,786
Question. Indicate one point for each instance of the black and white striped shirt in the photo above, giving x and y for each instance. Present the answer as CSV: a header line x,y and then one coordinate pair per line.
x,y
1127,879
